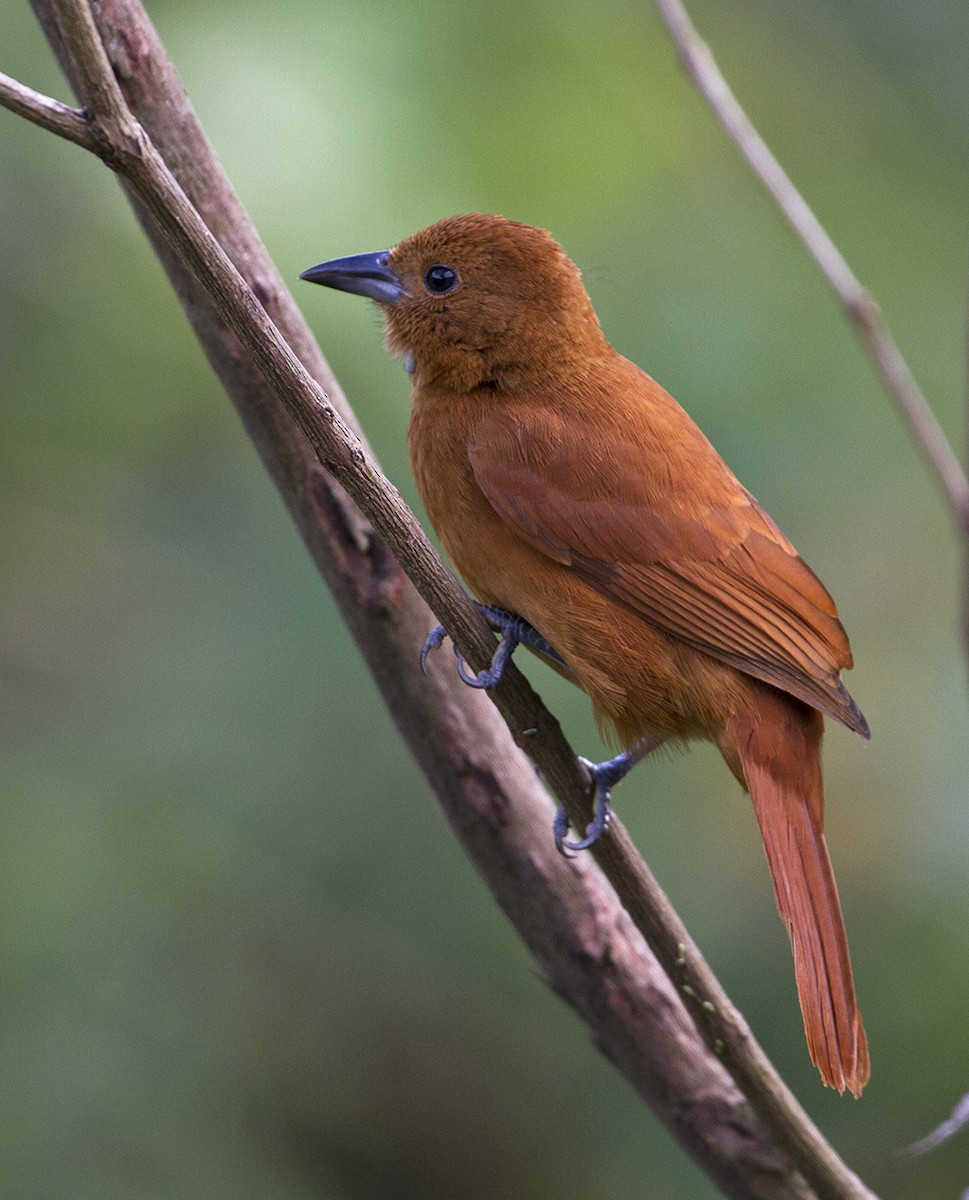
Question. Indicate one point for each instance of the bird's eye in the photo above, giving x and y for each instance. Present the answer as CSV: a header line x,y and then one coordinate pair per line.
x,y
440,279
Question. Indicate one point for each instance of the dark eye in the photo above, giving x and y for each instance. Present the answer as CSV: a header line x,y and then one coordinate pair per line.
x,y
440,279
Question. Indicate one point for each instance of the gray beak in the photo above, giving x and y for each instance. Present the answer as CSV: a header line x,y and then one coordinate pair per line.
x,y
363,274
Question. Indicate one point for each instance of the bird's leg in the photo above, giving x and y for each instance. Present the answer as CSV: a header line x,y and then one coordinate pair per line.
x,y
605,776
515,631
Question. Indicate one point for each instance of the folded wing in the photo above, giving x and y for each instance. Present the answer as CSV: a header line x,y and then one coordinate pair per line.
x,y
689,550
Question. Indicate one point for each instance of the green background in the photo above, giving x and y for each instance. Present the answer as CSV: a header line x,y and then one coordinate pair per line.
x,y
240,954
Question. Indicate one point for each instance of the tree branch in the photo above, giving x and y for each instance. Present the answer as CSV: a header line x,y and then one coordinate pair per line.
x,y
49,114
572,921
858,303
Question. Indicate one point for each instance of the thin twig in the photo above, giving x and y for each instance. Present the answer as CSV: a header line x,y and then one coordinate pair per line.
x,y
49,114
957,1119
861,308
103,98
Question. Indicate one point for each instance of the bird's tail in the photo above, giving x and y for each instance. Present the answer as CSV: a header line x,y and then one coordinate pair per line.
x,y
779,751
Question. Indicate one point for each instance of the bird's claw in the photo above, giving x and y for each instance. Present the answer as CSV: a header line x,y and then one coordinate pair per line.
x,y
514,631
487,678
605,776
491,676
433,641
601,816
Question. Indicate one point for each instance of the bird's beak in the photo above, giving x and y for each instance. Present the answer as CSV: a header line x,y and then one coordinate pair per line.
x,y
363,274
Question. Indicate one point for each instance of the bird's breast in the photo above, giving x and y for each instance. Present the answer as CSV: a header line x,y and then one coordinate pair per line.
x,y
485,551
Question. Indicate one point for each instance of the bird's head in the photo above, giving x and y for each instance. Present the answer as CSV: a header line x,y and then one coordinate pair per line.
x,y
475,301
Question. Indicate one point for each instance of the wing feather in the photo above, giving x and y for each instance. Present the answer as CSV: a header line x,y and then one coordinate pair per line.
x,y
688,549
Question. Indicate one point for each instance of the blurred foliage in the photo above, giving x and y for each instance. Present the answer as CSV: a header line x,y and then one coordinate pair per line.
x,y
241,954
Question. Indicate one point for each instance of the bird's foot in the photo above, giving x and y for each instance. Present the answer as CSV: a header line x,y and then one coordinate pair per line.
x,y
515,631
605,776
433,641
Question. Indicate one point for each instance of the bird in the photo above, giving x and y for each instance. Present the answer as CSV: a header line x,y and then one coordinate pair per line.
x,y
596,524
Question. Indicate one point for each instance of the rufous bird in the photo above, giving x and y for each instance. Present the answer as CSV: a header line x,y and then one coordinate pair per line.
x,y
597,525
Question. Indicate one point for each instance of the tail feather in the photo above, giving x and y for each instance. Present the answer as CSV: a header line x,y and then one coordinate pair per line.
x,y
780,756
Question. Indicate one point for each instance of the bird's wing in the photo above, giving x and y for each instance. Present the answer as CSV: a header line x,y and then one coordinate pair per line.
x,y
667,530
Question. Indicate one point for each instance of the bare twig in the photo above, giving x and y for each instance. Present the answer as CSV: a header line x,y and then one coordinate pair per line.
x,y
958,1119
857,301
493,805
49,114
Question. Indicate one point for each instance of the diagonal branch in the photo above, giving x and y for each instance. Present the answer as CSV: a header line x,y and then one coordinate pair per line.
x,y
564,911
857,301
